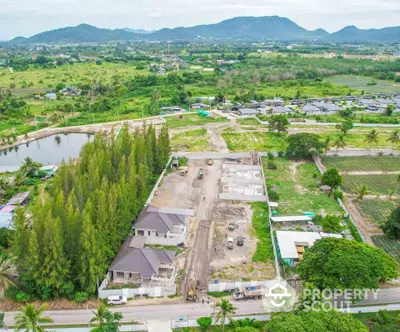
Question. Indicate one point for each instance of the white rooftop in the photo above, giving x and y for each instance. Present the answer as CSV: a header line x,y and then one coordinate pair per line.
x,y
288,240
291,218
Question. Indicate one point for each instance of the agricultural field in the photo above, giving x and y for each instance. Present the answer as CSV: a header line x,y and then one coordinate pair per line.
x,y
392,247
296,186
192,140
354,140
258,141
192,120
367,163
376,184
361,83
376,210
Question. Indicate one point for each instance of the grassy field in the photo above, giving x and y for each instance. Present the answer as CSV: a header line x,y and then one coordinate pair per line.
x,y
192,140
392,247
248,122
254,141
368,163
298,195
377,183
358,140
43,79
360,83
191,120
376,210
264,251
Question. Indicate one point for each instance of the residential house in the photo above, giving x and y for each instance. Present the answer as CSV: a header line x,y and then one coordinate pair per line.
x,y
142,266
6,216
310,109
161,226
19,199
199,105
170,109
50,96
292,245
327,107
70,91
276,102
248,111
281,110
48,170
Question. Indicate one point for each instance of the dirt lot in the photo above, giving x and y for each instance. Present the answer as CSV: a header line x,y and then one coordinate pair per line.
x,y
236,264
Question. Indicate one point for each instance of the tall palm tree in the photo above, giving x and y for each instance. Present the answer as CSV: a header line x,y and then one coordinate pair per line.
x,y
362,191
7,271
372,137
394,138
29,167
100,315
225,309
30,317
339,143
327,144
107,321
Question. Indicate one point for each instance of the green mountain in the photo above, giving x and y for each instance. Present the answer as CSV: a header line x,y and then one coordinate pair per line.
x,y
351,34
238,28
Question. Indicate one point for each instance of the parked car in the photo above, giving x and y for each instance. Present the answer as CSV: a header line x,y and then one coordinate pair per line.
x,y
112,300
240,240
229,243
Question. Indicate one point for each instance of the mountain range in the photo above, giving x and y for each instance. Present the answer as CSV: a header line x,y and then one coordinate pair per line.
x,y
238,28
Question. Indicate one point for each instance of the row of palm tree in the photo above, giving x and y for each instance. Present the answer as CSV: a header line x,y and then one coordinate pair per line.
x,y
371,138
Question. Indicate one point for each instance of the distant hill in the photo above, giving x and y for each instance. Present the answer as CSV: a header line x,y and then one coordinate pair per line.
x,y
81,34
351,34
238,28
138,31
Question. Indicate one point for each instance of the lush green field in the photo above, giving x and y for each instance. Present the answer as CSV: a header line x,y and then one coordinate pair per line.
x,y
367,163
264,251
377,183
354,140
191,120
294,199
376,210
257,141
192,140
39,78
360,83
392,247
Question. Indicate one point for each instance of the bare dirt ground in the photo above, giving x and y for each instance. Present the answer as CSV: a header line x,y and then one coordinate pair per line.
x,y
236,264
215,139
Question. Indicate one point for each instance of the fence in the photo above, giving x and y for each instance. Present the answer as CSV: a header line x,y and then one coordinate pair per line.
x,y
230,286
166,241
122,328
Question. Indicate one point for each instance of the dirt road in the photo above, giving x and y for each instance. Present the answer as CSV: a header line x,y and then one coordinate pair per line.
x,y
199,258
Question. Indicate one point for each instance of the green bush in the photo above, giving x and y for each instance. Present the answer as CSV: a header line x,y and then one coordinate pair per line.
x,y
338,194
271,165
22,297
81,297
273,195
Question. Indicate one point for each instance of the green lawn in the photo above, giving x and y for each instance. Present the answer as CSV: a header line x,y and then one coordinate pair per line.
x,y
354,140
264,251
254,141
392,247
360,83
376,210
191,120
248,121
368,163
191,140
294,200
377,183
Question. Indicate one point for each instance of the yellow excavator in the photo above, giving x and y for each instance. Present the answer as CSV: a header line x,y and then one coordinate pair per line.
x,y
191,293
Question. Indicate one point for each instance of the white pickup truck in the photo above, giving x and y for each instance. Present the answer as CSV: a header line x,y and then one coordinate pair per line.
x,y
250,292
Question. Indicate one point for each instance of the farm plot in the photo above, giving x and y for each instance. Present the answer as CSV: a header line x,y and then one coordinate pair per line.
x,y
296,188
376,210
376,184
392,247
191,140
367,163
257,141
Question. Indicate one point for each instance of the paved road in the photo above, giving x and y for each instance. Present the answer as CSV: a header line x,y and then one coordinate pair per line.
x,y
146,313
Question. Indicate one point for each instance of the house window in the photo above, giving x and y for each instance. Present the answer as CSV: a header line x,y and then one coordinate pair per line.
x,y
141,233
148,233
156,233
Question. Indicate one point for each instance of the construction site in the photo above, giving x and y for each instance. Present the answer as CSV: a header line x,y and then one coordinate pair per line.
x,y
220,238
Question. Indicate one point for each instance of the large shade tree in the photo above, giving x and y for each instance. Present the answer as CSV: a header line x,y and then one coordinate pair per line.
x,y
304,145
392,225
336,263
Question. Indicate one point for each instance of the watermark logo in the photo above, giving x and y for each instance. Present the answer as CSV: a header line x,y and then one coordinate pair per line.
x,y
278,296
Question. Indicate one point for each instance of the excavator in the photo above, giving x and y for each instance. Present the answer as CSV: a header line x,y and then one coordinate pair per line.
x,y
191,293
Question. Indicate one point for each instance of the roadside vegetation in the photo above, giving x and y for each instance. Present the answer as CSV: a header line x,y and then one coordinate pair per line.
x,y
191,140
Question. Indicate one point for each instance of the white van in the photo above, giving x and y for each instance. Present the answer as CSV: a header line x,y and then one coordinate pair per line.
x,y
117,300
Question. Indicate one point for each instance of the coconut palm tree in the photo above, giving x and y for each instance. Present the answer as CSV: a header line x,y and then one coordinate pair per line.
x,y
225,309
7,271
30,317
29,167
339,143
372,137
362,191
327,144
107,321
394,138
100,315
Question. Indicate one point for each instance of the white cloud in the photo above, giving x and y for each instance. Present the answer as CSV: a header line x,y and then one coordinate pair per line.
x,y
28,17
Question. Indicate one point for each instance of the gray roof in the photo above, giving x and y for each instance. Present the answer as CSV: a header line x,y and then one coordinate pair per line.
x,y
162,222
145,261
247,111
281,109
332,107
19,198
310,108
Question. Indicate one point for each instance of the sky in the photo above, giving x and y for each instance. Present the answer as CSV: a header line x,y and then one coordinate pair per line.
x,y
29,17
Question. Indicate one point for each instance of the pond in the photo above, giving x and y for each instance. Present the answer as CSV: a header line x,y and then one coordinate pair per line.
x,y
49,150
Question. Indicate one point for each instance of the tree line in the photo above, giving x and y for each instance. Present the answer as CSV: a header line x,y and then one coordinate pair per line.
x,y
77,227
